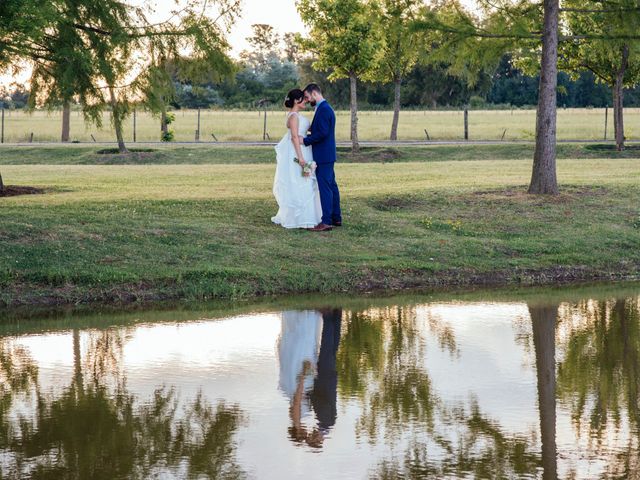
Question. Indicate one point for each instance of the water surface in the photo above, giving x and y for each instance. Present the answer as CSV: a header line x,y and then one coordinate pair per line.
x,y
492,385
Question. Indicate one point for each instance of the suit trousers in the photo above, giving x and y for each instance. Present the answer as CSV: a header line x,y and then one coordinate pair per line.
x,y
329,193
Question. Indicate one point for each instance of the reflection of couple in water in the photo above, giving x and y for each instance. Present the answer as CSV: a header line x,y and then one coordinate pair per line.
x,y
307,350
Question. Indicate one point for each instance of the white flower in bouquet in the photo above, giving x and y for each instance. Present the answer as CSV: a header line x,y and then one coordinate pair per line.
x,y
308,168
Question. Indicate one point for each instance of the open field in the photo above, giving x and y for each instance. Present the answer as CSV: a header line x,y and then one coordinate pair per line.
x,y
573,124
110,233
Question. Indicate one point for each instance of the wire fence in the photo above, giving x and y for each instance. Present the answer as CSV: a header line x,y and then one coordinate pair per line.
x,y
207,125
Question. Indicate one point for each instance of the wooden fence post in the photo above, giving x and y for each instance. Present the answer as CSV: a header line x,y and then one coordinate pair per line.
x,y
198,130
466,124
264,130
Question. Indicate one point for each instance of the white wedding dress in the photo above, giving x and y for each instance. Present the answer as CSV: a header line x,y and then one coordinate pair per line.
x,y
298,344
297,196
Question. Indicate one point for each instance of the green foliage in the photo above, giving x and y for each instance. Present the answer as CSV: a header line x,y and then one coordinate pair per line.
x,y
265,72
401,47
343,36
168,136
473,45
78,47
22,27
599,52
265,45
15,97
196,96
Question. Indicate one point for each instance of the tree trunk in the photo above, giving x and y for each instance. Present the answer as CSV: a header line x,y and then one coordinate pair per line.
x,y
164,127
396,108
543,177
543,322
117,121
355,146
77,363
66,121
1,184
618,99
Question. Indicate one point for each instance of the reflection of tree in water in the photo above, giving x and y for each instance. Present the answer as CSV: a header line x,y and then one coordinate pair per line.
x,y
382,364
18,372
18,376
94,430
104,352
543,325
379,362
600,372
599,376
480,450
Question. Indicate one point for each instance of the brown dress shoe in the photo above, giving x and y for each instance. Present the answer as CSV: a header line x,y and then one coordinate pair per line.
x,y
337,224
321,227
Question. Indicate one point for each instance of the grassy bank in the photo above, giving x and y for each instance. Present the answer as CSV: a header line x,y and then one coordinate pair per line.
x,y
123,233
168,154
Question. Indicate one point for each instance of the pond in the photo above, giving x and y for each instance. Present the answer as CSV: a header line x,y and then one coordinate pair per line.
x,y
505,384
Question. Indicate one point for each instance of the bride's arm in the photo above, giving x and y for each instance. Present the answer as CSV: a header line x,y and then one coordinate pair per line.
x,y
295,138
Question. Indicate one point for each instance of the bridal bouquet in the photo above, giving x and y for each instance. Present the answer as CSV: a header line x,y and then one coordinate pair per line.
x,y
308,168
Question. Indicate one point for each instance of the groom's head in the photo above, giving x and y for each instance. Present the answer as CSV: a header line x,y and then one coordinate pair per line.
x,y
313,94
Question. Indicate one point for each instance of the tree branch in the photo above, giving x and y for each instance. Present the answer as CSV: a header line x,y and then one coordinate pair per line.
x,y
86,28
588,10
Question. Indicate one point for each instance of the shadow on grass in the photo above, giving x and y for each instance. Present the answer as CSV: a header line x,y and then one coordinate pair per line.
x,y
16,190
115,151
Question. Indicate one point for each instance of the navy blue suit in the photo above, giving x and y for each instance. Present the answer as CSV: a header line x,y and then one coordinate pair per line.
x,y
323,143
325,387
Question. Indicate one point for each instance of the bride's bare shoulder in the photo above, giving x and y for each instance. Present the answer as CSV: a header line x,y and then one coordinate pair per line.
x,y
292,119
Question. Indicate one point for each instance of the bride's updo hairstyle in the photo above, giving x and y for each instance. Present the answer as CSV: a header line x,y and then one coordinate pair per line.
x,y
294,96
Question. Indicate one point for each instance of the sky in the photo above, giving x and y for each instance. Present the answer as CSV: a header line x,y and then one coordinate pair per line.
x,y
281,14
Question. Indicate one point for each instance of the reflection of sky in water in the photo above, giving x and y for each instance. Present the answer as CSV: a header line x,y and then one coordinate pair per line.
x,y
489,364
235,360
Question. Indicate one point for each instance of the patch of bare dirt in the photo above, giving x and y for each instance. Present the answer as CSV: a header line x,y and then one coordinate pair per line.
x,y
400,202
519,194
371,155
559,275
133,157
16,190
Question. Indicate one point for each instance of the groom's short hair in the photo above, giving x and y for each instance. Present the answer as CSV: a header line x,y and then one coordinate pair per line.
x,y
313,87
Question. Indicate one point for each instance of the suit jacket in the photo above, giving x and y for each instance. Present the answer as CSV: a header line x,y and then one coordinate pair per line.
x,y
323,134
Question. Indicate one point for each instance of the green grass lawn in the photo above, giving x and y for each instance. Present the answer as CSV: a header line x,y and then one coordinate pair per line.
x,y
110,233
212,154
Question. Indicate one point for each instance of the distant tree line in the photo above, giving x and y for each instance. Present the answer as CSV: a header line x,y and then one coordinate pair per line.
x,y
274,64
426,86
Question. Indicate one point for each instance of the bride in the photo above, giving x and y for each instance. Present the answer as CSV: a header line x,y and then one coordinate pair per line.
x,y
297,194
297,350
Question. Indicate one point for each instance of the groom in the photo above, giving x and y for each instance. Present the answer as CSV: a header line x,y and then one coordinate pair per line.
x,y
322,138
